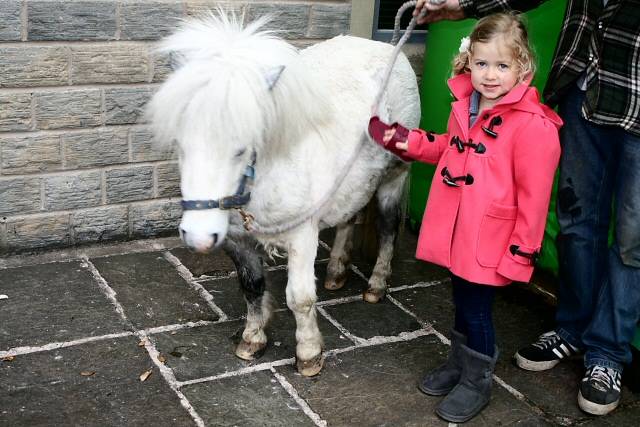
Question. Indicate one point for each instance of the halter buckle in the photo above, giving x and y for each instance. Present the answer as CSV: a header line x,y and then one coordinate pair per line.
x,y
247,219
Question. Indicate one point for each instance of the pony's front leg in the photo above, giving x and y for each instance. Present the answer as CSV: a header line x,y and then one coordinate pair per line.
x,y
301,298
389,196
251,276
337,269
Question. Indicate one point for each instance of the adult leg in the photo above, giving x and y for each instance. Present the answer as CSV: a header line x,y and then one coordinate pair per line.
x,y
584,209
617,310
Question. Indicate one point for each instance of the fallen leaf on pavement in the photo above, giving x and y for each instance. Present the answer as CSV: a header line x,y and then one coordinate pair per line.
x,y
87,373
162,359
8,358
143,342
145,375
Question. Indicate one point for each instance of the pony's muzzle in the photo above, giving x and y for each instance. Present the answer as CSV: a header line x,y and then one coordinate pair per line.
x,y
201,244
203,230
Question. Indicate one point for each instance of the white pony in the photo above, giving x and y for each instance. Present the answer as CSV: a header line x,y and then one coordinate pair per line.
x,y
242,100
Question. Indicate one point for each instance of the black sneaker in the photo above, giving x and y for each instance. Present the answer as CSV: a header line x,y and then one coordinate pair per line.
x,y
599,390
545,353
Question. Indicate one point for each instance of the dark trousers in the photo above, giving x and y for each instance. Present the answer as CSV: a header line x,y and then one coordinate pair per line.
x,y
599,293
473,314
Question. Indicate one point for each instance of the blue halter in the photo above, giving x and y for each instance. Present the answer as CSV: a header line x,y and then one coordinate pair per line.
x,y
238,200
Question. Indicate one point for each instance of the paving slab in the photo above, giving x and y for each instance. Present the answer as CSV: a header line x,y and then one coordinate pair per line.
x,y
377,386
431,304
53,302
626,415
218,264
520,316
49,388
228,296
366,320
151,291
361,385
209,350
246,400
214,264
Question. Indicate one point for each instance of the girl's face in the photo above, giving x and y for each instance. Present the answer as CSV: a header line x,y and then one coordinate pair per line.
x,y
494,72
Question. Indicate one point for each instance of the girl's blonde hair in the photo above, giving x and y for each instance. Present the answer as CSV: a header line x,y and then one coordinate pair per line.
x,y
510,27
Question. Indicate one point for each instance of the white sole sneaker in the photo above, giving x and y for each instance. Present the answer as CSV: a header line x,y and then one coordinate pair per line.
x,y
530,365
595,408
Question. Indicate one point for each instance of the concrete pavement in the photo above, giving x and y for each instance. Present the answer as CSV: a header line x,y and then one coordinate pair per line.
x,y
80,328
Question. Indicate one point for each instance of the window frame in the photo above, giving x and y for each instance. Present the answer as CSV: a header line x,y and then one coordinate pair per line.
x,y
417,36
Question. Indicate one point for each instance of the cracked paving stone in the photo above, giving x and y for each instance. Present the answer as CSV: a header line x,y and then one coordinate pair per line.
x,y
377,386
366,320
53,302
47,388
255,399
151,291
210,350
214,264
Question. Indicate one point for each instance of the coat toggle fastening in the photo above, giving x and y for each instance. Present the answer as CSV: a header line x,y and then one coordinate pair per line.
x,y
460,144
451,180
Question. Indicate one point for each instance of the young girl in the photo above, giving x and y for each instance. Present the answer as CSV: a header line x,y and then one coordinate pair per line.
x,y
486,211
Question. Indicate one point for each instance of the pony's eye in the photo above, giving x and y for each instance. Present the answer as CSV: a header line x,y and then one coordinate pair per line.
x,y
240,153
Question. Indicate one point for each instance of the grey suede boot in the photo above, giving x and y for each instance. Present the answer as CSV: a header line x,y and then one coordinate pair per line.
x,y
441,380
473,391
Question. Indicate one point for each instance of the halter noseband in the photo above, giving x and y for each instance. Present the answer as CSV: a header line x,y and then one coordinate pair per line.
x,y
238,200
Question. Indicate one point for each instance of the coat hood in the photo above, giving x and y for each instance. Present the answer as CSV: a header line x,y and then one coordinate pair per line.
x,y
522,97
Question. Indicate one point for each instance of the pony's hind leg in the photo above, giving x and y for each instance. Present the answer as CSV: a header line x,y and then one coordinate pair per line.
x,y
389,196
251,276
338,266
301,298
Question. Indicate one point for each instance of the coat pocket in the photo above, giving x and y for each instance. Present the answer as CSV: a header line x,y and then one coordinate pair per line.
x,y
495,231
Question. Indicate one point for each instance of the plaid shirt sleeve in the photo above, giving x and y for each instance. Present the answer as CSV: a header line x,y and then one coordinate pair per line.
x,y
480,8
601,43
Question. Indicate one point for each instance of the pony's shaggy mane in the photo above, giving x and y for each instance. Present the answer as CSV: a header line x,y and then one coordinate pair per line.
x,y
220,87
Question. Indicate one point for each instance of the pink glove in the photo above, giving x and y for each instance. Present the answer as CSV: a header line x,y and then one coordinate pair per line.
x,y
377,129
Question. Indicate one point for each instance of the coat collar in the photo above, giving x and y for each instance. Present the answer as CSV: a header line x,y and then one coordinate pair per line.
x,y
522,97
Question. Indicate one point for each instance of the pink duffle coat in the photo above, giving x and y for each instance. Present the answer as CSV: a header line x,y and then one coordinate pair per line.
x,y
489,227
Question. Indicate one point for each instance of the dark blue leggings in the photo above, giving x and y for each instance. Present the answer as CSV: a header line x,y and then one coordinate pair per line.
x,y
473,314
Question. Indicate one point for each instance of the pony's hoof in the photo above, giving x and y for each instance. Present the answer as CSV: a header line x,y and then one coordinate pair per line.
x,y
334,285
309,368
250,350
373,296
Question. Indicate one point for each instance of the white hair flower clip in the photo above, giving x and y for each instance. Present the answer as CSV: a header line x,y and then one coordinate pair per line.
x,y
465,43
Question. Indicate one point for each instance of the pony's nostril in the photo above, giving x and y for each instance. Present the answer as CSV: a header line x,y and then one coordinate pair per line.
x,y
214,236
183,234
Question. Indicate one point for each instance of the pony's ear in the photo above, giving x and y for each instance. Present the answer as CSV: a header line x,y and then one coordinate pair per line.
x,y
272,75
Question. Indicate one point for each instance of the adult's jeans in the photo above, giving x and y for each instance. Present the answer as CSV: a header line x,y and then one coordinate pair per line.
x,y
473,314
599,293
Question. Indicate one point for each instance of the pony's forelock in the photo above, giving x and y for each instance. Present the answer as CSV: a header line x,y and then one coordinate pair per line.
x,y
221,74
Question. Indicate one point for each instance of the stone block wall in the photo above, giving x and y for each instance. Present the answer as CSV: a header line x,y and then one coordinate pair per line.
x,y
76,160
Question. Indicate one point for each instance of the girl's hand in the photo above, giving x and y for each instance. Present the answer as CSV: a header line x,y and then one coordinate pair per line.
x,y
404,146
388,135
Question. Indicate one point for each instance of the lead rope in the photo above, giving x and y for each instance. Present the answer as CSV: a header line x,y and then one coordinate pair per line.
x,y
249,221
